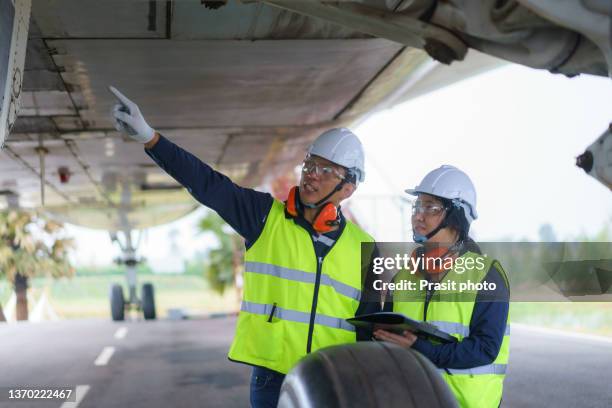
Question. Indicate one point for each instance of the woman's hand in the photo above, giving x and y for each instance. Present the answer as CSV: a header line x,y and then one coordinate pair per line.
x,y
406,339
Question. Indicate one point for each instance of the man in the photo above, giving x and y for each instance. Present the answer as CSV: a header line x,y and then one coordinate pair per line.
x,y
475,366
303,272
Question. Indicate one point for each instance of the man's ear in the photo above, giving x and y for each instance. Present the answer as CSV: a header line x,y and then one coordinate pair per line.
x,y
347,190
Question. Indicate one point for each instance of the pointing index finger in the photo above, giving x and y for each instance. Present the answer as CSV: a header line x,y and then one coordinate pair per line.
x,y
124,100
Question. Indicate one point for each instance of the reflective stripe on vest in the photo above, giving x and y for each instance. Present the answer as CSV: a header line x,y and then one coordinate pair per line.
x,y
481,370
458,328
451,328
301,276
296,316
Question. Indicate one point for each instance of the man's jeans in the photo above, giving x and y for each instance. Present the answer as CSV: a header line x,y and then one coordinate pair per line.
x,y
265,387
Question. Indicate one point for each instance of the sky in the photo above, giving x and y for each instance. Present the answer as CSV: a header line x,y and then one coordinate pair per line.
x,y
515,131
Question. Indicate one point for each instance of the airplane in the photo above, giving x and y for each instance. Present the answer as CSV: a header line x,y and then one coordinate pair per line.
x,y
244,85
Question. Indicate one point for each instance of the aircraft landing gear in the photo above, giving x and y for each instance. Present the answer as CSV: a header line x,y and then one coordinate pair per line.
x,y
146,302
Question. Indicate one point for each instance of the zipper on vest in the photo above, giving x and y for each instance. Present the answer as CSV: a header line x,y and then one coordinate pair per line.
x,y
426,304
315,298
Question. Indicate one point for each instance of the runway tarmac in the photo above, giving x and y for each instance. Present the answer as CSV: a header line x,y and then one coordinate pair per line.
x,y
183,363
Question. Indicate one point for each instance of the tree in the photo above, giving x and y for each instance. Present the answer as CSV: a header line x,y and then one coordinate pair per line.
x,y
224,264
31,246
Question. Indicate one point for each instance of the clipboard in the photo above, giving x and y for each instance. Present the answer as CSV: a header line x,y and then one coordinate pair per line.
x,y
398,323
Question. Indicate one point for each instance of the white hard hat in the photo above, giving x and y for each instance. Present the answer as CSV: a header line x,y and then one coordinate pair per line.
x,y
342,147
451,183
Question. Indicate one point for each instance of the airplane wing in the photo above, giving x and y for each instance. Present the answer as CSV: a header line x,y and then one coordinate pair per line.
x,y
245,86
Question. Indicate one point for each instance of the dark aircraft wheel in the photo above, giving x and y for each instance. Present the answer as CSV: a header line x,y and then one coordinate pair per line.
x,y
148,301
367,375
117,303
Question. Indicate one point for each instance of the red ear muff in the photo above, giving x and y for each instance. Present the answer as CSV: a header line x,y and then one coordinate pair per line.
x,y
326,218
324,221
291,203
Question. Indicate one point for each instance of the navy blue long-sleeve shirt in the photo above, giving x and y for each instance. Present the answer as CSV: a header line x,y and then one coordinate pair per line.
x,y
244,209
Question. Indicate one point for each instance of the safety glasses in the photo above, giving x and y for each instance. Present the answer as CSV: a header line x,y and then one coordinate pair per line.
x,y
427,208
311,166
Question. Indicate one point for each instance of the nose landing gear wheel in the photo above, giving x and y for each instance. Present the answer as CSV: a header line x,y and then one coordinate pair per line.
x,y
148,301
117,303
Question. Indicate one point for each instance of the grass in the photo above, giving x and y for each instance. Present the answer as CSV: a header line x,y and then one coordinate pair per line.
x,y
88,296
583,317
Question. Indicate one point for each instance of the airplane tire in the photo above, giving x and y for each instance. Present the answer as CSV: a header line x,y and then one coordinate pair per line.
x,y
367,375
148,301
117,303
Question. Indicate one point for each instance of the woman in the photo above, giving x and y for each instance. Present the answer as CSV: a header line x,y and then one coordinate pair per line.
x,y
475,366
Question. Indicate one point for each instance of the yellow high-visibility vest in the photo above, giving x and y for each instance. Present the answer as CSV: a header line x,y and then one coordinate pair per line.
x,y
284,282
451,311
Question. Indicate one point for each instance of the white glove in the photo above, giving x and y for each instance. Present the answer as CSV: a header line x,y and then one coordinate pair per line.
x,y
129,120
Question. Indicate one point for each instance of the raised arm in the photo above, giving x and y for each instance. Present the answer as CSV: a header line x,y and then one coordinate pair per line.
x,y
244,209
